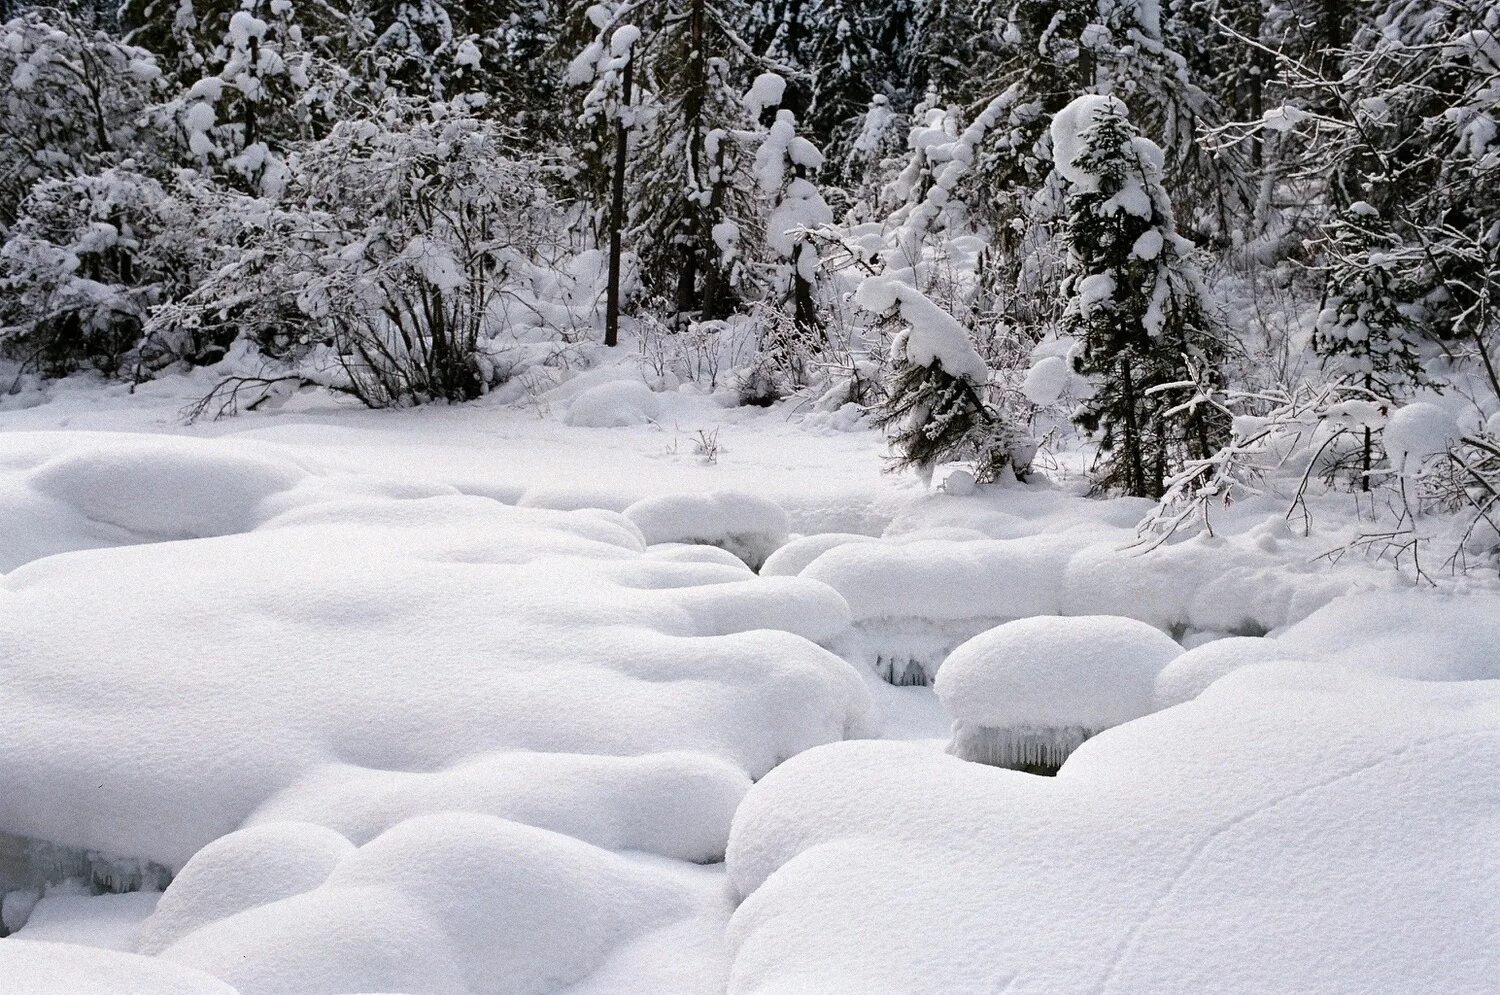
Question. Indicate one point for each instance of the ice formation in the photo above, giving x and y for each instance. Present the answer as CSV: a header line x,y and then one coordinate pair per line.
x,y
1027,694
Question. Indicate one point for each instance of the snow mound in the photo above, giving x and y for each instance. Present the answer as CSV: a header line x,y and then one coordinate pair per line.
x,y
1420,635
240,871
1417,431
444,630
456,903
1026,694
1047,380
617,404
794,557
44,968
677,805
108,490
1187,676
750,527
682,552
1294,828
74,915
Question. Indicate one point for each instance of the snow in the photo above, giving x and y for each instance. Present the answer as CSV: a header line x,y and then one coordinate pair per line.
x,y
111,922
400,599
1030,691
614,405
452,902
1094,670
1417,431
793,558
1291,830
43,968
765,91
1187,676
1046,381
1069,130
474,699
932,335
748,526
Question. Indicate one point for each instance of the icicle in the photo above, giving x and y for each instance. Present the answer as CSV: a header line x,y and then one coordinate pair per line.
x,y
1033,749
28,864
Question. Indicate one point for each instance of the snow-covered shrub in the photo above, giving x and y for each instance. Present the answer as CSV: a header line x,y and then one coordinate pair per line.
x,y
85,263
72,101
1028,693
384,261
1366,330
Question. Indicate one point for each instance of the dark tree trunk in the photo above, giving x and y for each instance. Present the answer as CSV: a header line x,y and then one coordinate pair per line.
x,y
617,214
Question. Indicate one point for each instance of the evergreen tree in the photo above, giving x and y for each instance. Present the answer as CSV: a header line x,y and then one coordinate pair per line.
x,y
935,409
1365,329
1135,302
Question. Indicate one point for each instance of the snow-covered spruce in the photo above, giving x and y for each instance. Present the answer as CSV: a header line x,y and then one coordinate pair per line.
x,y
1135,303
1026,694
935,409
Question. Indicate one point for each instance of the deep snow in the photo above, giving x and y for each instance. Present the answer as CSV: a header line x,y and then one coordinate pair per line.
x,y
477,699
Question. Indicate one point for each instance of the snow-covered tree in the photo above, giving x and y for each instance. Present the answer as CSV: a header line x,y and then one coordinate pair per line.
x,y
72,104
935,409
87,261
785,164
1135,302
381,266
494,55
1365,330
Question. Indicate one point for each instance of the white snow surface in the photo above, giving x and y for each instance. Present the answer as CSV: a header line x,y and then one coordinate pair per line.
x,y
1094,671
470,699
39,967
1289,830
749,526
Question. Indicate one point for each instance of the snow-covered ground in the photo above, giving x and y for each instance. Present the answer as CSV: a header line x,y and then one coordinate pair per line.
x,y
489,699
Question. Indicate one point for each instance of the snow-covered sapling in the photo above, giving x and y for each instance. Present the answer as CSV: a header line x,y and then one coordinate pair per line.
x,y
1028,693
935,410
1135,302
1365,329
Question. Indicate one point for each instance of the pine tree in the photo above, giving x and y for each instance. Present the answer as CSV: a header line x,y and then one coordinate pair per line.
x,y
784,166
1365,329
935,409
1135,302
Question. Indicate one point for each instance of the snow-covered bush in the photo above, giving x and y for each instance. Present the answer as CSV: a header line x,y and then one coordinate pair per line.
x,y
1028,693
72,101
85,263
935,409
382,265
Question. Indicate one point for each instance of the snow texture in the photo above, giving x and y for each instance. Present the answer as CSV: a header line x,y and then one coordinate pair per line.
x,y
1293,829
748,526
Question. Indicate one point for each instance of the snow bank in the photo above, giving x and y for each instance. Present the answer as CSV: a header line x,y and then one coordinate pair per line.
x,y
750,527
614,405
1028,693
1414,634
106,490
457,903
794,557
1190,674
677,805
914,599
1292,829
42,968
399,642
